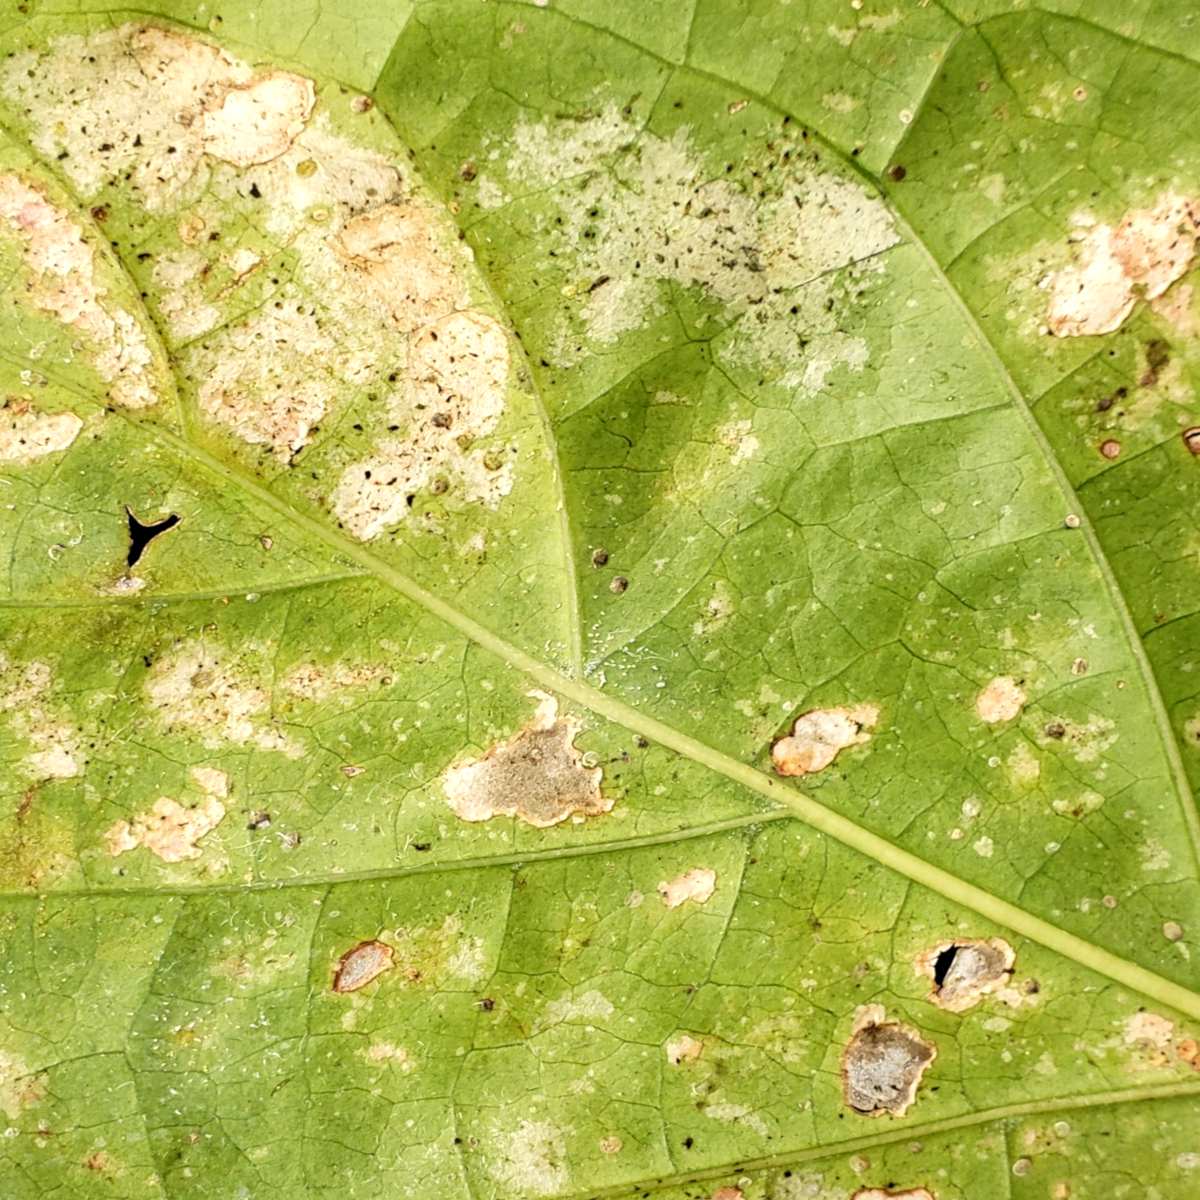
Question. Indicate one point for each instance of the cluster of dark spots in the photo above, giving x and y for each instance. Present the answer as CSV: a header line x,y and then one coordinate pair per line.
x,y
142,534
1106,402
485,1004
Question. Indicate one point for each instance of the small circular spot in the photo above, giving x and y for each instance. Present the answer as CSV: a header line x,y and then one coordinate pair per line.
x,y
1072,521
611,1144
599,557
619,585
1191,439
1022,1166
1110,448
1080,93
896,172
1109,901
1172,931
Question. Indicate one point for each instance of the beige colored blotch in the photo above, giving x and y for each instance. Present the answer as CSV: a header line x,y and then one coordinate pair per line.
x,y
255,122
169,830
696,885
882,1064
401,259
1000,700
27,435
1115,266
888,1194
537,775
819,736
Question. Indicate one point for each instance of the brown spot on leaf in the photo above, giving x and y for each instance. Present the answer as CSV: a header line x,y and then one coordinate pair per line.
x,y
965,970
1110,448
882,1064
1191,439
361,964
537,775
818,736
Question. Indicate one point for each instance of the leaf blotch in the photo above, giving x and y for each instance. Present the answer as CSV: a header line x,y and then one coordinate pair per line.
x,y
882,1064
537,775
820,735
361,964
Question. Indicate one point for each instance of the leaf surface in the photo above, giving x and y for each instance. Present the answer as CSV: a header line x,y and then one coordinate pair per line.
x,y
561,407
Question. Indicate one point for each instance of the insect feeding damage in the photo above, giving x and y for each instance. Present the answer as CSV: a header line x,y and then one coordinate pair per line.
x,y
966,970
882,1064
361,964
537,775
818,736
1114,267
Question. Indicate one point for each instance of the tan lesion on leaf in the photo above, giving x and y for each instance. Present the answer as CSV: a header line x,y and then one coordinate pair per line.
x,y
1116,265
169,830
820,735
28,434
965,970
198,690
882,1064
683,1048
252,123
1001,700
361,964
538,775
64,282
696,886
27,702
20,1087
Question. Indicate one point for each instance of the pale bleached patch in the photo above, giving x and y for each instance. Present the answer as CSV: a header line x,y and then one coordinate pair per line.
x,y
683,1048
696,885
169,830
64,282
1116,265
20,1087
820,735
530,1160
1001,700
27,434
197,690
537,775
26,699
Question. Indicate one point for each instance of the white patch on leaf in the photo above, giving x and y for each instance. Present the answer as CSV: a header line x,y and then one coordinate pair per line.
x,y
530,1160
169,830
64,284
820,735
537,775
1115,266
27,435
696,885
1001,700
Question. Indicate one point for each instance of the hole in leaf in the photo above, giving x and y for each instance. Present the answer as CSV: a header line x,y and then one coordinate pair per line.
x,y
141,535
942,965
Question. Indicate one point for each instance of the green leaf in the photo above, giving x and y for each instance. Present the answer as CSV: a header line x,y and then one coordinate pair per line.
x,y
675,668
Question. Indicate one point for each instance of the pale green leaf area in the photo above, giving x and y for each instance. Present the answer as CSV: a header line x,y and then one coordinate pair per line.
x,y
562,404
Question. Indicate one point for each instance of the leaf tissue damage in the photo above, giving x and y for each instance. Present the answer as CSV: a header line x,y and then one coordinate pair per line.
x,y
351,284
668,997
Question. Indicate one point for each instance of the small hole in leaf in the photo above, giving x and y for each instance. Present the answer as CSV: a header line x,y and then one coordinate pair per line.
x,y
942,965
141,535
